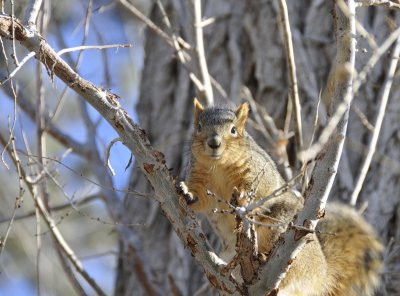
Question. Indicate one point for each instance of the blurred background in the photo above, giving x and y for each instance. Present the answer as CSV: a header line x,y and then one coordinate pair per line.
x,y
111,222
90,230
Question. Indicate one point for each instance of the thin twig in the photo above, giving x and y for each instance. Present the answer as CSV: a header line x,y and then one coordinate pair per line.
x,y
306,166
88,16
108,163
86,47
272,134
24,104
133,246
45,173
150,161
3,51
104,56
19,199
182,55
312,152
40,189
385,3
208,96
127,191
246,93
14,54
176,42
32,12
291,242
279,191
384,98
72,276
150,24
53,228
364,120
294,92
57,208
16,69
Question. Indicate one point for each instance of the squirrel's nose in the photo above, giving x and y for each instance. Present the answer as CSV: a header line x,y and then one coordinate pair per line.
x,y
214,142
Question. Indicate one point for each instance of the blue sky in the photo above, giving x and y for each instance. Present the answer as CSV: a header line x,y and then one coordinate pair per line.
x,y
125,65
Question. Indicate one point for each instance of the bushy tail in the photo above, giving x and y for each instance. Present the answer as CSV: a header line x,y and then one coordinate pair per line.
x,y
352,250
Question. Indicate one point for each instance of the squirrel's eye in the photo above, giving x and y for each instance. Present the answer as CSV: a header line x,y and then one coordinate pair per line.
x,y
233,130
199,128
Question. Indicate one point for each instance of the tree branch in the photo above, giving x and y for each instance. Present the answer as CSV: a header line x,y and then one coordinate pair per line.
x,y
32,12
294,92
151,25
384,98
149,160
60,207
324,172
59,239
326,134
207,93
384,3
18,200
56,133
86,47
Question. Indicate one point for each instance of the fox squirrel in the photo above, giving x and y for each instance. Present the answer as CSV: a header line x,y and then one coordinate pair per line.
x,y
344,256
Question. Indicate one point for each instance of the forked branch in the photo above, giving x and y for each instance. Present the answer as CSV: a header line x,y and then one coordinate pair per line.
x,y
327,163
149,160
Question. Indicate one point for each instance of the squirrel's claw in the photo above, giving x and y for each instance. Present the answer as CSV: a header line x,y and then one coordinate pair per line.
x,y
189,197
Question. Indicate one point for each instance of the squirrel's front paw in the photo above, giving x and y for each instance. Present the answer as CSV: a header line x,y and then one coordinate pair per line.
x,y
190,199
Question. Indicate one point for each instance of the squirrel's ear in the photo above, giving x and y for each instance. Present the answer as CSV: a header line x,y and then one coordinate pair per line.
x,y
198,108
241,114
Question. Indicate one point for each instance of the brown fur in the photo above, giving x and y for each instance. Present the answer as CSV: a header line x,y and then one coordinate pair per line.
x,y
343,259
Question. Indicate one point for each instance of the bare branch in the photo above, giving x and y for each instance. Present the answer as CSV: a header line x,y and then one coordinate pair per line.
x,y
30,214
207,95
32,12
149,160
175,42
324,173
341,70
59,239
277,192
151,25
108,163
14,54
364,120
103,186
70,274
18,200
384,98
182,55
272,134
246,250
385,3
40,189
294,92
16,69
133,246
173,286
86,47
55,132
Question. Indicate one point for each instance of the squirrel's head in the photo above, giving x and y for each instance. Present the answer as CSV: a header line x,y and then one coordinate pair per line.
x,y
217,130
